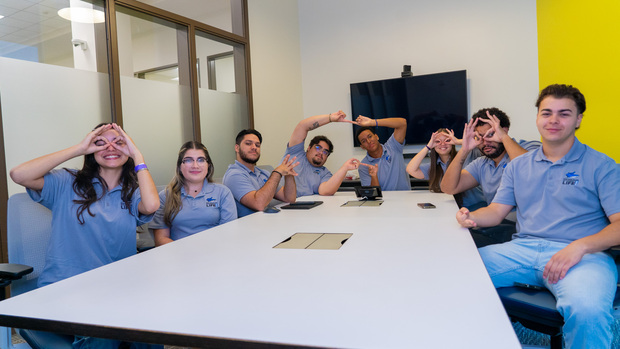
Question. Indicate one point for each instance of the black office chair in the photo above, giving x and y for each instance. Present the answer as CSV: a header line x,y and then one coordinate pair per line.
x,y
537,311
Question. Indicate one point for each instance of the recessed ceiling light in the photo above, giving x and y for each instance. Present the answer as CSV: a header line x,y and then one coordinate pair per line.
x,y
82,15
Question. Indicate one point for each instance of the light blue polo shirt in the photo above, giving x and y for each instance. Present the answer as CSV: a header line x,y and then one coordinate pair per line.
x,y
106,237
309,177
562,201
488,175
241,180
392,173
214,205
426,167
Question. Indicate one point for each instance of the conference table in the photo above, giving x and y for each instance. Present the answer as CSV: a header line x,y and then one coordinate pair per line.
x,y
405,277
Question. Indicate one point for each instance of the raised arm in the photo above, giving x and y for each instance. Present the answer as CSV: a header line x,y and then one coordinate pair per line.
x,y
373,173
456,180
413,167
259,199
500,135
306,125
148,192
398,124
30,174
288,192
330,187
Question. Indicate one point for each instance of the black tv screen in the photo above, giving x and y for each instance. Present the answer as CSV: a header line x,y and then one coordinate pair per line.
x,y
428,102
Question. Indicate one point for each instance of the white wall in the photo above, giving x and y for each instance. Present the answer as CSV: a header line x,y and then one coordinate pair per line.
x,y
276,74
347,41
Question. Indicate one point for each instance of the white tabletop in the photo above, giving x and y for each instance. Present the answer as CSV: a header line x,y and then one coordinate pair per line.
x,y
407,277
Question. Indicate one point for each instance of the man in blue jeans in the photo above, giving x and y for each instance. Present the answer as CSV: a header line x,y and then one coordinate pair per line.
x,y
567,197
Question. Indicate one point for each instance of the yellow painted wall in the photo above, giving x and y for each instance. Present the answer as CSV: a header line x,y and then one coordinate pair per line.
x,y
579,44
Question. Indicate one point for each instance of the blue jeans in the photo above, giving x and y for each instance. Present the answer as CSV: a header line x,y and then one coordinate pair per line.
x,y
584,297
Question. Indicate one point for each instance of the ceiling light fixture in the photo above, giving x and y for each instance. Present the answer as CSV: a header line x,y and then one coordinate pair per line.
x,y
82,15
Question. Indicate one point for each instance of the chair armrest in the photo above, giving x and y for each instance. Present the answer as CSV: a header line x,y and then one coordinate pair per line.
x,y
14,271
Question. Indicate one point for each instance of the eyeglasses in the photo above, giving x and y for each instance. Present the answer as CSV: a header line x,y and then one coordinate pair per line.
x,y
322,150
189,161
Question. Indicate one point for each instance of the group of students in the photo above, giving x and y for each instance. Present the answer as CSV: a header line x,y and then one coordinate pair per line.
x,y
566,195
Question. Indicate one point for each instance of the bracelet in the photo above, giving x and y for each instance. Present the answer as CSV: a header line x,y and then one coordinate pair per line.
x,y
140,167
376,123
277,173
330,117
427,147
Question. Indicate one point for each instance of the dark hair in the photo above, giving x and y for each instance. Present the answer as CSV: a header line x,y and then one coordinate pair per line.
x,y
362,129
173,203
563,91
504,120
435,173
84,188
318,139
249,131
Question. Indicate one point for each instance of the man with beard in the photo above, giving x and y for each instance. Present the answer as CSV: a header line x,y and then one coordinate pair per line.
x,y
314,178
252,187
568,207
488,131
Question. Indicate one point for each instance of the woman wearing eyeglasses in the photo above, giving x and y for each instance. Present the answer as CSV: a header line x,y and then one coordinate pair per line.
x,y
192,202
443,150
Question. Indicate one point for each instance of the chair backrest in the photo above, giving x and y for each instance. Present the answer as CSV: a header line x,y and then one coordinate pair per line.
x,y
29,226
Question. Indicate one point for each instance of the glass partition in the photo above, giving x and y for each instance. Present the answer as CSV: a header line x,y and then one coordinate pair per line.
x,y
217,13
54,86
156,99
223,98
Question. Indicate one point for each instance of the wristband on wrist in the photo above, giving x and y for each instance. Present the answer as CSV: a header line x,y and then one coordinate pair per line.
x,y
140,167
376,123
427,147
330,117
278,172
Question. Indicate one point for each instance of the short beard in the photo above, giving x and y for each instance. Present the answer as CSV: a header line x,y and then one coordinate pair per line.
x,y
316,162
500,149
248,160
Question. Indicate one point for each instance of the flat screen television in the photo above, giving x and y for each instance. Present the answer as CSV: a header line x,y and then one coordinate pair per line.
x,y
428,102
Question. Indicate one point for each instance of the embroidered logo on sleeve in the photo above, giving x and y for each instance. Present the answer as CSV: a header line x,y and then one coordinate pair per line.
x,y
571,178
211,202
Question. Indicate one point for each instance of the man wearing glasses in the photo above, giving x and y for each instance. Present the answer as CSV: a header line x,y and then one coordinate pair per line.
x,y
384,163
313,177
253,187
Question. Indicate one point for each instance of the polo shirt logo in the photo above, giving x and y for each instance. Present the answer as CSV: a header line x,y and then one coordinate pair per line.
x,y
211,202
317,171
388,158
123,205
571,178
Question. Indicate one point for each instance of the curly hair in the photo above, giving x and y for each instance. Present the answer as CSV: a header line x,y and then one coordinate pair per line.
x,y
504,120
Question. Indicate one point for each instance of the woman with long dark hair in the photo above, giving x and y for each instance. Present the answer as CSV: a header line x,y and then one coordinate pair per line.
x,y
95,210
192,202
442,148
